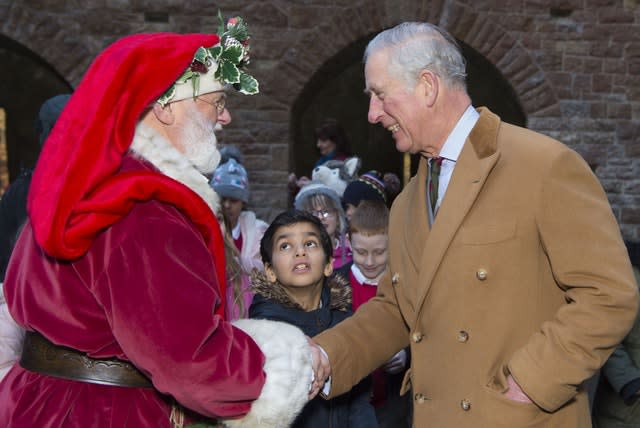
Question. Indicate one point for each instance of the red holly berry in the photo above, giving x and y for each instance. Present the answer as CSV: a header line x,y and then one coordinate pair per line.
x,y
198,67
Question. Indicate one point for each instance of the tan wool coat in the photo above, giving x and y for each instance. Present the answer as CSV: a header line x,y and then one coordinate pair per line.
x,y
524,272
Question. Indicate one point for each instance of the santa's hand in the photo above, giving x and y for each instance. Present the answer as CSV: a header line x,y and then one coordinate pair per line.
x,y
287,366
397,363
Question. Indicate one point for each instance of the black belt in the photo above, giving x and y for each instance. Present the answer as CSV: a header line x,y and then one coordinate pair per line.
x,y
41,356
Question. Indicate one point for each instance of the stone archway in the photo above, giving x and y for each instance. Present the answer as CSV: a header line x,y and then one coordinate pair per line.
x,y
509,57
502,76
26,81
59,43
35,69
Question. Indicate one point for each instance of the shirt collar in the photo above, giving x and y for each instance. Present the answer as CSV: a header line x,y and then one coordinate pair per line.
x,y
454,143
235,232
357,273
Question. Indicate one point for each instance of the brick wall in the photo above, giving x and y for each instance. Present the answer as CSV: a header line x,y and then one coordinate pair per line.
x,y
574,66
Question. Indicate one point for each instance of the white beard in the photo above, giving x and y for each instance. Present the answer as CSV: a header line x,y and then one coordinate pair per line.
x,y
149,145
200,142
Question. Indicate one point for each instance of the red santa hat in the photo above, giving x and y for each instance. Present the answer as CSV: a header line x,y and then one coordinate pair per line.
x,y
77,190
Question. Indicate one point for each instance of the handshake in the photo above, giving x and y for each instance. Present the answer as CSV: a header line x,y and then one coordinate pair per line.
x,y
320,379
321,369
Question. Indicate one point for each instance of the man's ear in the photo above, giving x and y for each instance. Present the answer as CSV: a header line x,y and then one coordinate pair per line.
x,y
328,269
429,83
271,275
163,114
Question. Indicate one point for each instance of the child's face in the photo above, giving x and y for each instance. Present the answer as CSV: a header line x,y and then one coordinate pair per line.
x,y
370,254
298,259
232,209
325,146
350,208
328,217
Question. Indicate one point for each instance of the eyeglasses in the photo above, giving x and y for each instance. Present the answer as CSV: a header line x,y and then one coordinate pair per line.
x,y
219,104
322,214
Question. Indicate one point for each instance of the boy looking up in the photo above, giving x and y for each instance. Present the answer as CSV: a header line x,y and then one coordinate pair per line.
x,y
297,287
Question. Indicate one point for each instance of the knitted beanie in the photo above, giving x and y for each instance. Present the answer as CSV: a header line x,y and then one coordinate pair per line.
x,y
369,186
229,151
230,181
48,115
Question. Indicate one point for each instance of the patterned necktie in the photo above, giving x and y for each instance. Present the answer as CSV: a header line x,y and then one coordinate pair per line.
x,y
434,178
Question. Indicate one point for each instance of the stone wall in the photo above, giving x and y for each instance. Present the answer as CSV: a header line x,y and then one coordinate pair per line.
x,y
574,66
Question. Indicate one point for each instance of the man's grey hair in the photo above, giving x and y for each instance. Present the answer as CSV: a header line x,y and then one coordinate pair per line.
x,y
415,46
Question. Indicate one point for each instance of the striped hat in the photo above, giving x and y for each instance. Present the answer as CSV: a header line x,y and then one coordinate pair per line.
x,y
369,186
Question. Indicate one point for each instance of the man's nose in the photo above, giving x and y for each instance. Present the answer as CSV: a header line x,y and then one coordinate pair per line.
x,y
375,109
224,118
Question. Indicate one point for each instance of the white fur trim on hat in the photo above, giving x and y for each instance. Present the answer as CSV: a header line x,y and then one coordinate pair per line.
x,y
288,374
207,83
315,187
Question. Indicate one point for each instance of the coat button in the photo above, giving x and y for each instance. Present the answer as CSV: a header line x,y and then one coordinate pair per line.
x,y
395,278
465,405
463,336
481,274
419,398
417,337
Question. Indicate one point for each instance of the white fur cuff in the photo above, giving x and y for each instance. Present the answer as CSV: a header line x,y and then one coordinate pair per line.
x,y
288,374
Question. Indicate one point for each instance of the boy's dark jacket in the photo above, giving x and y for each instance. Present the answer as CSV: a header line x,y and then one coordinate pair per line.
x,y
272,302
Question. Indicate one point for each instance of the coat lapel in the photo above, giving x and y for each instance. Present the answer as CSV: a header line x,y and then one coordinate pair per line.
x,y
478,157
416,230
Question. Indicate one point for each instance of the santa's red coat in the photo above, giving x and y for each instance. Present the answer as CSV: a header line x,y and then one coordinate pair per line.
x,y
146,291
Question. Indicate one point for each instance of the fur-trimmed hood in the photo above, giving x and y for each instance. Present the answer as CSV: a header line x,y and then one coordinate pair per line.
x,y
339,288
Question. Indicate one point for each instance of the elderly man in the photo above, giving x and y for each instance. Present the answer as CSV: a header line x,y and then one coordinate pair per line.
x,y
507,273
118,276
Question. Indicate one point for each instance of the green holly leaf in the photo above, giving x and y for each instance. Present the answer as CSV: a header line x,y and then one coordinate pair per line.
x,y
231,56
201,55
228,72
220,23
248,84
233,53
215,52
168,95
195,82
188,74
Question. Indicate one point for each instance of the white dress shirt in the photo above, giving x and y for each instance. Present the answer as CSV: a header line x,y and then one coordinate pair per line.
x,y
452,148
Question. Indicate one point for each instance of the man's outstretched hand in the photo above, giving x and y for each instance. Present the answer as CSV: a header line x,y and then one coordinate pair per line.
x,y
321,368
